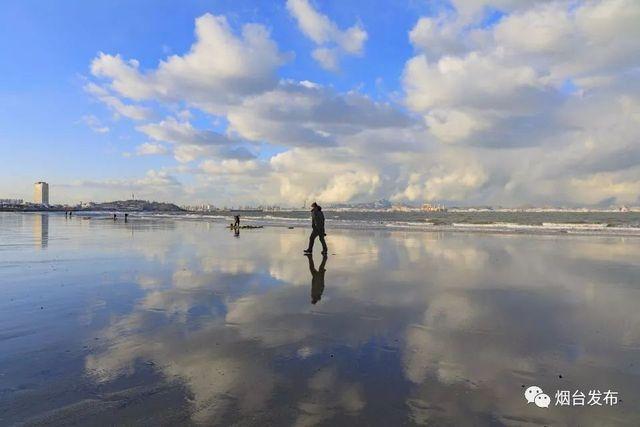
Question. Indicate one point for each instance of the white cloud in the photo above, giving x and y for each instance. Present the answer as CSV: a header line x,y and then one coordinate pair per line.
x,y
469,10
181,132
190,143
298,114
453,125
437,36
220,68
120,108
149,149
487,116
452,176
95,124
549,89
153,185
328,58
230,167
593,40
474,80
328,176
325,33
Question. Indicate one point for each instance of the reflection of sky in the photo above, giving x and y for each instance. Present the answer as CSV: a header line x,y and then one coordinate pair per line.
x,y
412,327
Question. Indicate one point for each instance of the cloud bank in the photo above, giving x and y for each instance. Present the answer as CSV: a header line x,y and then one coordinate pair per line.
x,y
539,104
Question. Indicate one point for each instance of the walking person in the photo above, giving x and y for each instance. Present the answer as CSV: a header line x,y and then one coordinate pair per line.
x,y
317,229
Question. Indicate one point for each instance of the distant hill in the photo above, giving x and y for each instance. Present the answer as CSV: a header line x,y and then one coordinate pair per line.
x,y
134,206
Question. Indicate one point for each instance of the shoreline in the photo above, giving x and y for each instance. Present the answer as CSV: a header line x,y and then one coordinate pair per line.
x,y
549,228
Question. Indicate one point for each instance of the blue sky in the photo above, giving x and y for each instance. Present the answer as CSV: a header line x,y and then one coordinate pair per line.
x,y
48,47
439,145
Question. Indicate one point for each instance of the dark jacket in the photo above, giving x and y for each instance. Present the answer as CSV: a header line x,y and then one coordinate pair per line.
x,y
317,219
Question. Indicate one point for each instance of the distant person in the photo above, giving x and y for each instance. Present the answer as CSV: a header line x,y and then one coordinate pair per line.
x,y
126,217
236,221
317,229
115,217
317,278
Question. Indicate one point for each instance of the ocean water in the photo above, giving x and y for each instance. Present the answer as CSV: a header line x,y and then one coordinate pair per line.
x,y
175,321
603,223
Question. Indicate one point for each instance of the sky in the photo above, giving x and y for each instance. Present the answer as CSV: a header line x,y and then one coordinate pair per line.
x,y
461,102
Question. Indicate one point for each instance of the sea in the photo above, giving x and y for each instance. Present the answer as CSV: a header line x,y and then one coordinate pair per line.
x,y
549,222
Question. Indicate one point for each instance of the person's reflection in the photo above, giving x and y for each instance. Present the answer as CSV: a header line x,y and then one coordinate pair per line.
x,y
236,232
317,278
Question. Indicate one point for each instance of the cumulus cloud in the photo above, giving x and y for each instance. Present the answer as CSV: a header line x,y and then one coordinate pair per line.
x,y
191,143
329,176
485,116
550,94
181,132
304,113
454,175
332,41
230,167
220,68
150,149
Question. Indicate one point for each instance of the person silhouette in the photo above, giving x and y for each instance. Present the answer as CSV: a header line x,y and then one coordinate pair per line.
x,y
317,229
317,278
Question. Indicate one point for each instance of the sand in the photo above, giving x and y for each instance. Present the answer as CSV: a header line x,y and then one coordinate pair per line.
x,y
180,322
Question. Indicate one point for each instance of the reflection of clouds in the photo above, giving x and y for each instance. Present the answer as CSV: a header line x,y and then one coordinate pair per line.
x,y
618,250
537,317
327,396
451,311
212,372
451,251
363,248
230,266
476,317
255,318
148,282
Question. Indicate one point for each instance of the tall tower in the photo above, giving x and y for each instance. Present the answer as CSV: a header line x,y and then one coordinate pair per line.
x,y
41,193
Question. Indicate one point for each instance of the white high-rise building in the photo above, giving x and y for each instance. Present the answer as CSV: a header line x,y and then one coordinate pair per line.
x,y
41,193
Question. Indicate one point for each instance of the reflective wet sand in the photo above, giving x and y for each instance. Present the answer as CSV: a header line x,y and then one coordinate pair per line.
x,y
176,323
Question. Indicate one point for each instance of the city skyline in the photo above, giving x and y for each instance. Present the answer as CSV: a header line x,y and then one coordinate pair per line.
x,y
246,103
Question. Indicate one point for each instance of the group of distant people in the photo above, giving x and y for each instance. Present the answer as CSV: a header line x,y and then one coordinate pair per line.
x,y
69,214
126,217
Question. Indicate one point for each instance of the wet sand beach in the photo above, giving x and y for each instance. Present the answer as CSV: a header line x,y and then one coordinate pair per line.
x,y
178,322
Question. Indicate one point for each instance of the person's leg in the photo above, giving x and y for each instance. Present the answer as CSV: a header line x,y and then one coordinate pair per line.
x,y
324,244
312,267
312,239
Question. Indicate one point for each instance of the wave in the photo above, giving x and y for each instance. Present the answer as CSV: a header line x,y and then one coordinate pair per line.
x,y
579,224
544,225
547,227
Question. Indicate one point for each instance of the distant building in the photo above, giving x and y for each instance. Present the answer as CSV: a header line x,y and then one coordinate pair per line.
x,y
11,202
41,193
433,208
